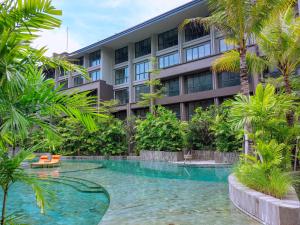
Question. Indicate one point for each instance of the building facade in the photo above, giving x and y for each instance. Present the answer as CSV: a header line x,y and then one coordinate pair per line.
x,y
119,66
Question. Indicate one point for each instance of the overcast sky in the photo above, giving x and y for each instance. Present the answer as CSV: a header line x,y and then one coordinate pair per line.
x,y
89,21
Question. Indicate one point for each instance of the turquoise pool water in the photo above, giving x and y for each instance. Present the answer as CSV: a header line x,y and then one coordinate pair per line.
x,y
137,193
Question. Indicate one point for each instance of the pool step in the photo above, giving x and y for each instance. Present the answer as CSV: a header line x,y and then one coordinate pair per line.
x,y
77,185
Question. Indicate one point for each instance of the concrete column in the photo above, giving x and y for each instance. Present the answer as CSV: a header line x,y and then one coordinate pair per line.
x,y
214,80
180,46
183,112
131,72
153,45
86,65
216,101
181,85
299,7
107,62
212,40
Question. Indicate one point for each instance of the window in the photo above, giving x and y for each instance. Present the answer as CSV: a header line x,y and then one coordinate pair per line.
x,y
95,75
143,48
141,89
193,32
168,60
199,82
168,39
121,55
228,79
192,106
198,52
172,87
122,96
175,108
121,76
95,58
78,80
121,115
61,72
141,113
142,70
224,46
79,61
63,84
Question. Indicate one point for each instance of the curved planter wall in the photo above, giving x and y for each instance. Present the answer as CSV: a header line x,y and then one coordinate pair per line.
x,y
266,209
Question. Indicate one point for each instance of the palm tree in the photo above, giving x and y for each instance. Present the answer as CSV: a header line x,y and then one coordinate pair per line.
x,y
12,172
27,99
240,21
280,44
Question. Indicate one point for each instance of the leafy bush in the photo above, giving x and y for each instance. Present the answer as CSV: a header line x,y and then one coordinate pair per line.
x,y
264,174
200,134
160,132
227,139
108,139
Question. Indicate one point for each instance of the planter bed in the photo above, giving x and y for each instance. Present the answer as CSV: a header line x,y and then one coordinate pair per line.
x,y
264,208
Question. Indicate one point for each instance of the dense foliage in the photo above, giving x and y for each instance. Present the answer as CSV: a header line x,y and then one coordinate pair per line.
x,y
108,139
160,132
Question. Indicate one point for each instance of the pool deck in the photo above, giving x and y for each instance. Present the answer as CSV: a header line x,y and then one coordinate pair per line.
x,y
207,163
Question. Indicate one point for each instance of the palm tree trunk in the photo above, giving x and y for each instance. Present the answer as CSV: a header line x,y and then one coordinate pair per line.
x,y
5,192
245,91
288,89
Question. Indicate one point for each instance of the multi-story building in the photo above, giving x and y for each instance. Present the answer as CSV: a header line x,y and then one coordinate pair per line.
x,y
119,65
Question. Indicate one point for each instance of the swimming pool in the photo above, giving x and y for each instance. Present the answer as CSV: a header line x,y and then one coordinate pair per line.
x,y
131,192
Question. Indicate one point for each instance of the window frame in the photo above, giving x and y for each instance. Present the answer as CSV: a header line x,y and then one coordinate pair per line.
x,y
125,75
167,39
121,55
124,96
137,96
95,71
195,51
167,56
95,58
142,75
142,45
198,84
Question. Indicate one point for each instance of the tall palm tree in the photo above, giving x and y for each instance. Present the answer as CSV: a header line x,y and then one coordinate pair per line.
x,y
240,21
280,44
27,99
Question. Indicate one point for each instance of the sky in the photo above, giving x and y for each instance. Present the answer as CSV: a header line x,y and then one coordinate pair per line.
x,y
89,21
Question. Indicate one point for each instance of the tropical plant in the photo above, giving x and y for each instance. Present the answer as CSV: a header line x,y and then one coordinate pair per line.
x,y
200,135
160,132
11,172
239,21
227,139
280,45
263,172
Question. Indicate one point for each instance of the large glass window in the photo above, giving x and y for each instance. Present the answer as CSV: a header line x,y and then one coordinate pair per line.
x,y
121,55
95,58
228,79
168,39
95,75
141,113
171,87
79,61
122,96
224,47
143,48
175,108
78,81
199,82
63,84
61,72
121,76
192,106
168,60
193,32
142,70
139,90
197,52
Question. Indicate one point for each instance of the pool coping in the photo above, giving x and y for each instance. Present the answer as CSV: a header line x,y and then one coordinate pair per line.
x,y
264,208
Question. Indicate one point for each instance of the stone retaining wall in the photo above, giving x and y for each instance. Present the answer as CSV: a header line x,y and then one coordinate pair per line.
x,y
93,157
161,156
219,157
264,208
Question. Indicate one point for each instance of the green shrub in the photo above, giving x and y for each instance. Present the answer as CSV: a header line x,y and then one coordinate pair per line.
x,y
200,134
160,132
263,173
227,139
108,139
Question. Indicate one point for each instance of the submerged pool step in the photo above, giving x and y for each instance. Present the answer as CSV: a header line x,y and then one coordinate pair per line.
x,y
77,185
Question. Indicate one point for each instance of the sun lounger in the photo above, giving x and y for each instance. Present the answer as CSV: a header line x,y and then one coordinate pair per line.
x,y
45,162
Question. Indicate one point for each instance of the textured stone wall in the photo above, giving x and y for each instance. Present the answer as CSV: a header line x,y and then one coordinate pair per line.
x,y
266,209
219,157
161,156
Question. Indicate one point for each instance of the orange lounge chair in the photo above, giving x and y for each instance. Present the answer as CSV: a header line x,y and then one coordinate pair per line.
x,y
55,161
42,161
